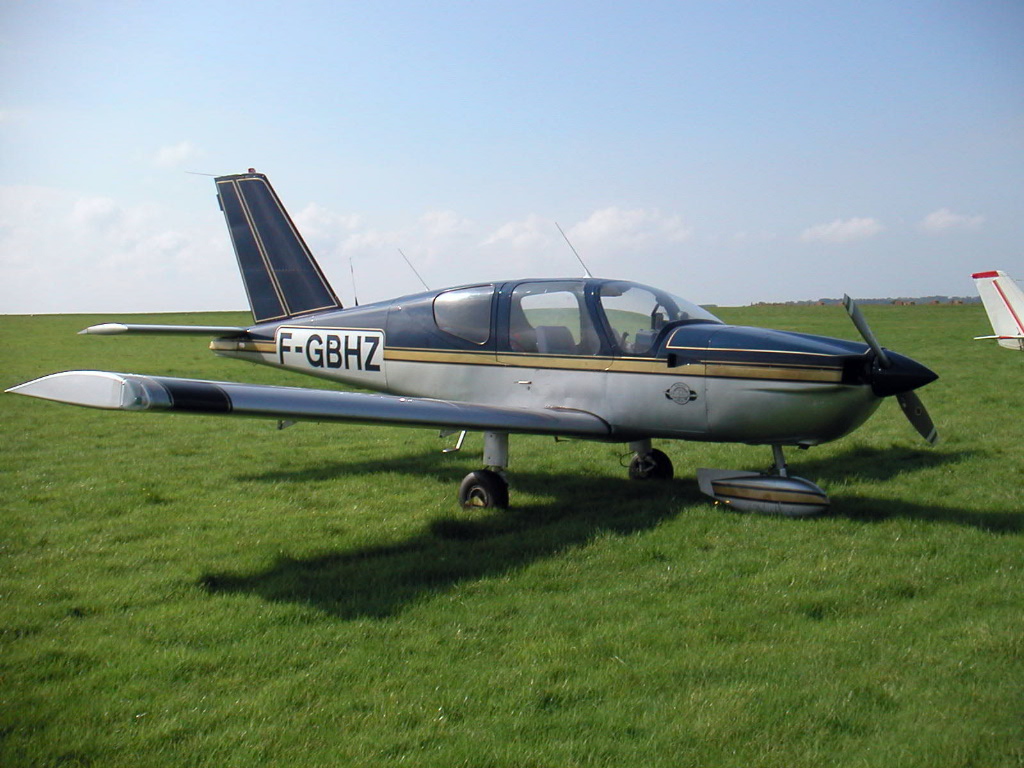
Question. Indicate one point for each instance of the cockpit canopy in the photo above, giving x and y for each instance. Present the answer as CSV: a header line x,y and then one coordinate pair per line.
x,y
564,317
636,314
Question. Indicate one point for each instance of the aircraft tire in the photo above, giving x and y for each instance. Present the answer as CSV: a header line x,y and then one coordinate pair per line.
x,y
483,488
654,465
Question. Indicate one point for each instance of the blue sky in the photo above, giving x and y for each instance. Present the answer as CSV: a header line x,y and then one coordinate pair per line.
x,y
731,152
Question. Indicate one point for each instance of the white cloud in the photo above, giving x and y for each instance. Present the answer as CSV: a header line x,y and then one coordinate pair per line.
x,y
175,155
61,253
317,223
531,232
93,212
842,231
944,219
629,229
444,224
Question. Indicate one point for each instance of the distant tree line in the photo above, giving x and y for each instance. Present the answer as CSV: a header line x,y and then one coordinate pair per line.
x,y
898,301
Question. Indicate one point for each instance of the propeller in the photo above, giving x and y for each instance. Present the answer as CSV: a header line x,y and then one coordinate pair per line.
x,y
896,375
915,411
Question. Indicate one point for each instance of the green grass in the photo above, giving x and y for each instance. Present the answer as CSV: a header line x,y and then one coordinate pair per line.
x,y
180,590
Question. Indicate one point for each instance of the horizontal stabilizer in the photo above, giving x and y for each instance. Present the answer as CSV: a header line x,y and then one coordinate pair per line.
x,y
132,392
113,329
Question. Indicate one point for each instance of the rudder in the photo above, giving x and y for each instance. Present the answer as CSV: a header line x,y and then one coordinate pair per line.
x,y
282,279
1004,304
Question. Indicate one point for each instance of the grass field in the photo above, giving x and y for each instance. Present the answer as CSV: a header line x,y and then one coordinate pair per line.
x,y
184,590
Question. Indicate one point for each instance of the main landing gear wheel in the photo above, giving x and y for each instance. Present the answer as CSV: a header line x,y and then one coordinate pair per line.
x,y
653,465
484,488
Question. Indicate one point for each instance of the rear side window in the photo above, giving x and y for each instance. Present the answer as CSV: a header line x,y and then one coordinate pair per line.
x,y
465,312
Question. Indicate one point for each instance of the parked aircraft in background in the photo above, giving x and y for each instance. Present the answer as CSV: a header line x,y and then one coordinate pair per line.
x,y
589,358
1004,303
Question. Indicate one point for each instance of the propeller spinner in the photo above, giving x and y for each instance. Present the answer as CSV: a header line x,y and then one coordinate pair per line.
x,y
893,374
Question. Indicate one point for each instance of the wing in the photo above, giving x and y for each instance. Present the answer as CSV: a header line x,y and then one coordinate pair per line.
x,y
133,392
112,329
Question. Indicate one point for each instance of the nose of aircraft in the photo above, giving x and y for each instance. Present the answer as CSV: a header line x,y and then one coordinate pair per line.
x,y
887,373
903,374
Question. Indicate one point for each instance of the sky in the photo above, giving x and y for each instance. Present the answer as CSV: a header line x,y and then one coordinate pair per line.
x,y
730,152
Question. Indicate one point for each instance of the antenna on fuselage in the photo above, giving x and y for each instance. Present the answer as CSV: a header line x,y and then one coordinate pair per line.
x,y
352,269
578,258
427,287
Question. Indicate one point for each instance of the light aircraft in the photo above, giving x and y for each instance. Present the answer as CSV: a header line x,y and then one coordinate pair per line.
x,y
1004,303
584,358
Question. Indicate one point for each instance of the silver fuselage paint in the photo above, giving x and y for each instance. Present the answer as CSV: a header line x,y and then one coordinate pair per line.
x,y
638,398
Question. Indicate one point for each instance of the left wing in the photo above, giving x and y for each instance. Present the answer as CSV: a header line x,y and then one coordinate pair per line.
x,y
133,392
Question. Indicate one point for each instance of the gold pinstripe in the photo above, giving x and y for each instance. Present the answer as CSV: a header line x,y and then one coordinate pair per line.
x,y
738,370
821,374
759,494
704,350
791,373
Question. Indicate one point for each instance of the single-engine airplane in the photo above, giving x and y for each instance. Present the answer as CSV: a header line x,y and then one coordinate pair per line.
x,y
1004,303
594,359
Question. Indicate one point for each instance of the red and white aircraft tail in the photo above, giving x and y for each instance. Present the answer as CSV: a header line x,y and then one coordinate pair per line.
x,y
1004,302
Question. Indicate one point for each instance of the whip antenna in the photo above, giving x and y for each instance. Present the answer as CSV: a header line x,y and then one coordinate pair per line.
x,y
352,269
578,258
414,269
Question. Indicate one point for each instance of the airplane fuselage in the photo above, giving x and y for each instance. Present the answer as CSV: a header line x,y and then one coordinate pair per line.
x,y
694,378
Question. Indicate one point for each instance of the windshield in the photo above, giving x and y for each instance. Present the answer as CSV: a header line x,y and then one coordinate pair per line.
x,y
637,313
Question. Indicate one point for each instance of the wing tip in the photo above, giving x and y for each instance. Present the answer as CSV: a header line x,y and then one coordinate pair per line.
x,y
93,389
104,329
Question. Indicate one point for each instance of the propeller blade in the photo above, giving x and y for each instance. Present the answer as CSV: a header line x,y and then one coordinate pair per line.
x,y
911,404
865,330
915,411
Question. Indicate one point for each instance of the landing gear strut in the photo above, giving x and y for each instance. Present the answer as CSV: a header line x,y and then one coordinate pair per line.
x,y
781,468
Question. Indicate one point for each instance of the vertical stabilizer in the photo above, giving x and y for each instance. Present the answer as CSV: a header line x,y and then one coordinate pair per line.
x,y
280,274
1004,303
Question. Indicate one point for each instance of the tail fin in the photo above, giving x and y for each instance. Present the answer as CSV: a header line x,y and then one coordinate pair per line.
x,y
1004,303
281,276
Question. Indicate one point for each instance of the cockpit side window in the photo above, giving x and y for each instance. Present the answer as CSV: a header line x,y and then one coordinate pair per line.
x,y
636,314
551,319
465,312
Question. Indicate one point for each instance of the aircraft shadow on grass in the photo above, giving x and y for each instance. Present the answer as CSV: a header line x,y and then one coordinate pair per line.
x,y
883,465
856,464
380,581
